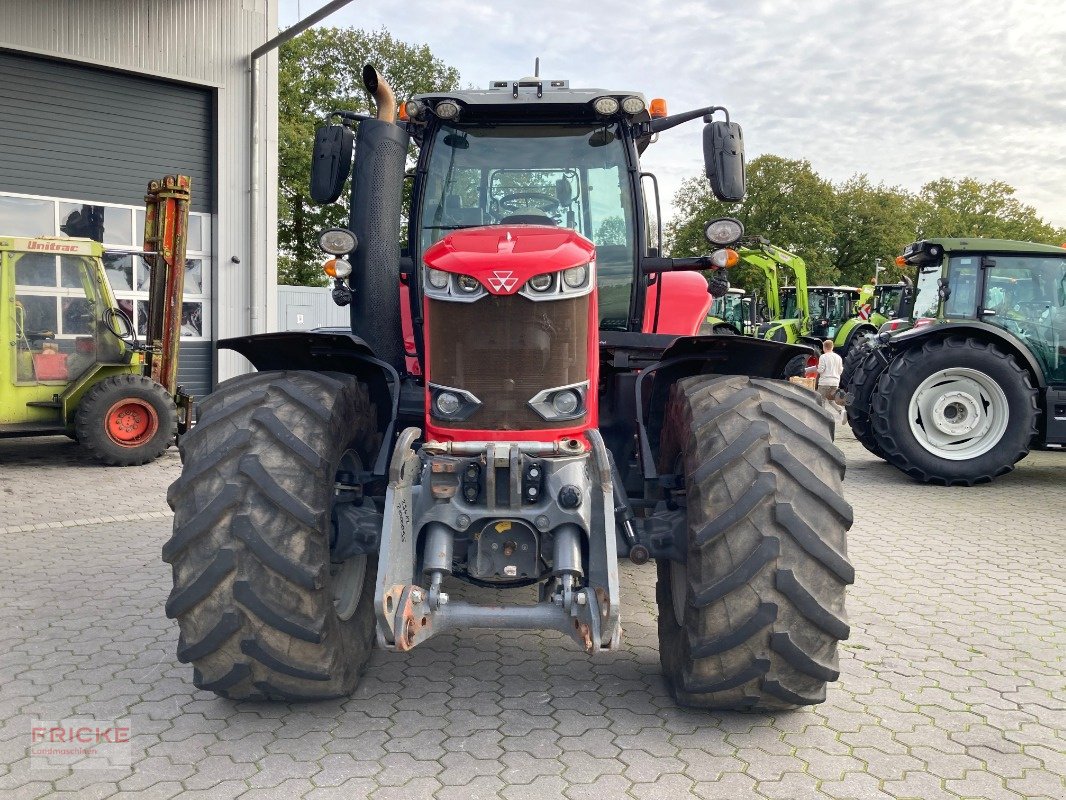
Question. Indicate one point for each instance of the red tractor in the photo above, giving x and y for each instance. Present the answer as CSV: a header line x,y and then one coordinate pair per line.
x,y
521,401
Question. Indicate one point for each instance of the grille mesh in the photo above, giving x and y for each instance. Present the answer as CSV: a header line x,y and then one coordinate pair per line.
x,y
504,350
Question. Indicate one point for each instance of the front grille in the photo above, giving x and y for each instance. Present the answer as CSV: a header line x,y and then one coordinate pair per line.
x,y
505,349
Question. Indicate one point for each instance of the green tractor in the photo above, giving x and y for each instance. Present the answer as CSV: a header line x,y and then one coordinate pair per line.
x,y
882,306
781,324
74,365
831,311
730,314
980,376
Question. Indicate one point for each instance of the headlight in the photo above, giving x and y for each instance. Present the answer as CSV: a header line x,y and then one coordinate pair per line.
x,y
437,278
723,231
414,109
447,109
468,284
605,106
633,105
566,403
541,283
575,277
337,241
447,403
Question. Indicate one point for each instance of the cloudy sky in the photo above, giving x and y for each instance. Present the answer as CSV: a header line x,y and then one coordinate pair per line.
x,y
904,90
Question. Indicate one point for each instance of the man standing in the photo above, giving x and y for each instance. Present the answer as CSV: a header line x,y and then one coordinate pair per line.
x,y
830,365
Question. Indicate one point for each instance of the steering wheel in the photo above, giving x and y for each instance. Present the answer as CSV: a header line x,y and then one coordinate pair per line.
x,y
519,200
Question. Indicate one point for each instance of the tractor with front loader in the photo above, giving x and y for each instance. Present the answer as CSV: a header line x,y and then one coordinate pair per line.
x,y
564,413
960,392
75,365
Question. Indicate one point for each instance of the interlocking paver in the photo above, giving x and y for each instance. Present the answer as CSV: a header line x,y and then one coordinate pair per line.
x,y
951,684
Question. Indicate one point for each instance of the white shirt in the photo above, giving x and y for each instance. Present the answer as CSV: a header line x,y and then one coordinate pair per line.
x,y
830,365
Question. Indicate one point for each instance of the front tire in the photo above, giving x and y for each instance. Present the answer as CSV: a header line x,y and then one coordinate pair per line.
x,y
954,412
263,611
859,397
126,420
752,619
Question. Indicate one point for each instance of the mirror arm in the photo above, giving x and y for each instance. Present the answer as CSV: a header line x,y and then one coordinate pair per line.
x,y
349,116
653,265
666,123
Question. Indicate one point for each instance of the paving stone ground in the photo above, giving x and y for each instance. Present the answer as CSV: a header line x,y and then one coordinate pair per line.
x,y
952,682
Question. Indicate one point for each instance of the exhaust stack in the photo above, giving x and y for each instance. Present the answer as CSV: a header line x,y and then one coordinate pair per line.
x,y
377,192
382,93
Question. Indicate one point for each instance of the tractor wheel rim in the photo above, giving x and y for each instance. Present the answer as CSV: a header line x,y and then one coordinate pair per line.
x,y
347,577
958,413
131,422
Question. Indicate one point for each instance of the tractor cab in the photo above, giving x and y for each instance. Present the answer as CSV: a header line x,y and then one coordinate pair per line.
x,y
1016,287
61,321
732,309
537,152
829,307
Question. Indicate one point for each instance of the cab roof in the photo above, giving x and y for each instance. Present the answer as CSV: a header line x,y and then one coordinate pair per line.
x,y
975,244
532,99
55,245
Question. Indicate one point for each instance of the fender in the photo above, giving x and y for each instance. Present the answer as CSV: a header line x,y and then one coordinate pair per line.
x,y
329,351
852,330
717,324
703,355
983,330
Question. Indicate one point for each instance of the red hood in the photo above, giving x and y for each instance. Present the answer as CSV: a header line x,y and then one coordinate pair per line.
x,y
504,257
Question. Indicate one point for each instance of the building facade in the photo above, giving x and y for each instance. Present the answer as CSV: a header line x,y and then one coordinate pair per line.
x,y
97,97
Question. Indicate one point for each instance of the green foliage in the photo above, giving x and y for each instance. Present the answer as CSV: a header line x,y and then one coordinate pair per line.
x,y
842,230
320,71
611,231
870,223
966,207
787,202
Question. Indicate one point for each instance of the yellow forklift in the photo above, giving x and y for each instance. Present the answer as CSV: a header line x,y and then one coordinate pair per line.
x,y
74,364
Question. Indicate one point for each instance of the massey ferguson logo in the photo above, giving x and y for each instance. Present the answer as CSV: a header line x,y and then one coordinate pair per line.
x,y
502,280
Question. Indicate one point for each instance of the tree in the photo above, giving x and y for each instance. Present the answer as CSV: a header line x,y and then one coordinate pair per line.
x,y
967,207
870,223
611,231
787,202
320,71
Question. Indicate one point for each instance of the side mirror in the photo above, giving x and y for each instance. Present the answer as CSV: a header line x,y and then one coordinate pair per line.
x,y
723,155
331,162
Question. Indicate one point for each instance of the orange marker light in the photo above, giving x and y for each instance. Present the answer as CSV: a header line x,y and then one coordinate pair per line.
x,y
330,268
402,113
901,261
732,258
657,108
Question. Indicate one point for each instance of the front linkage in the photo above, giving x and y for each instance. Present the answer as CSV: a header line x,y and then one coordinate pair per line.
x,y
499,504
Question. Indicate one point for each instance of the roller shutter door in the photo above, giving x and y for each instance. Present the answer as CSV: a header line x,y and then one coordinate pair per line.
x,y
71,131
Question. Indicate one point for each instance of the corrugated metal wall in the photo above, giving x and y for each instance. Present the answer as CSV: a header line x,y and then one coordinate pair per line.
x,y
201,42
301,308
128,130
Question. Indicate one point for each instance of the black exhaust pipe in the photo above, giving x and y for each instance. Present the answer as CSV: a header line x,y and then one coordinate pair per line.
x,y
376,205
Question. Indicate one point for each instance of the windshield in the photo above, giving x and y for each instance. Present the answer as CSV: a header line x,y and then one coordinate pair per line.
x,y
888,300
788,304
927,293
571,176
729,308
